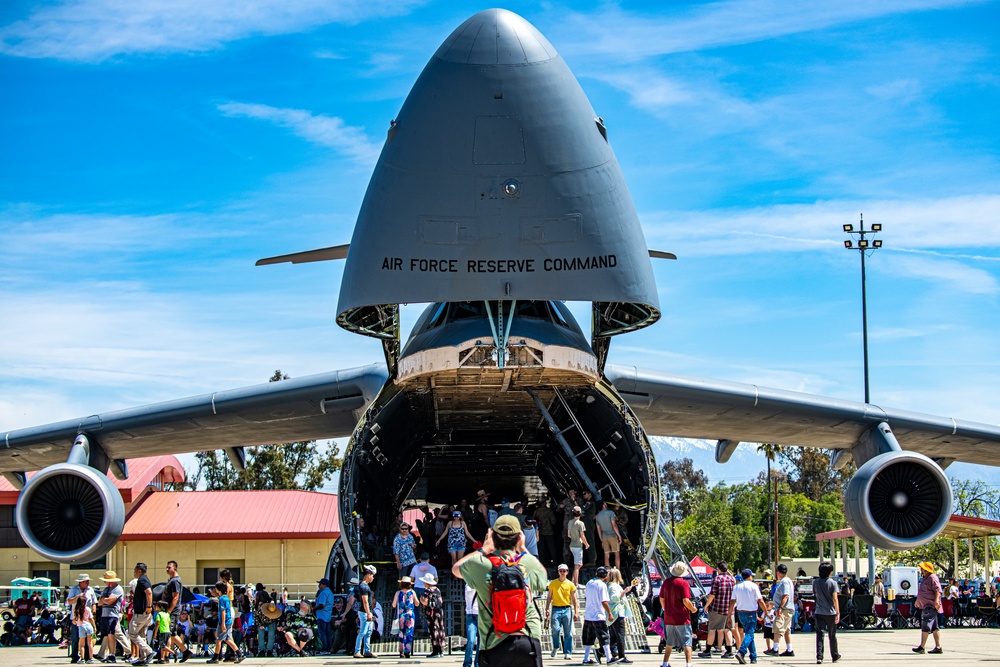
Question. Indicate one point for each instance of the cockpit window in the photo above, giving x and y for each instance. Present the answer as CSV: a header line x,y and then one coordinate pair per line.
x,y
534,310
466,310
437,319
557,315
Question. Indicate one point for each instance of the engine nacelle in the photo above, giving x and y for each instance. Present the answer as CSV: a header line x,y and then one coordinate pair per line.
x,y
70,513
898,500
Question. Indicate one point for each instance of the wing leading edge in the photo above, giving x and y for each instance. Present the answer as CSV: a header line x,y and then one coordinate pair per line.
x,y
327,405
692,407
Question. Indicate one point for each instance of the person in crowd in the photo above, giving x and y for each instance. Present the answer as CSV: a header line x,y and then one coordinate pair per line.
x,y
720,619
747,599
480,523
24,612
324,615
675,599
561,611
617,590
456,533
596,615
45,628
765,619
783,595
471,628
878,589
929,603
266,622
505,543
588,511
161,632
530,530
297,625
142,615
111,602
417,574
403,547
826,614
362,645
577,535
223,633
172,596
83,619
405,604
609,535
199,633
433,604
83,589
549,549
567,505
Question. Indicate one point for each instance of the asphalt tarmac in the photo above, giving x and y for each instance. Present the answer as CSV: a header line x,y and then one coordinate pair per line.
x,y
884,648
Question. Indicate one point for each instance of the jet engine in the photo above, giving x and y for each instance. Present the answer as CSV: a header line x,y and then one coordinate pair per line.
x,y
898,500
70,513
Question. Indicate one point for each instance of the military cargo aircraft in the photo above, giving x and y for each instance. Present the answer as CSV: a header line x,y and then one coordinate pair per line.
x,y
496,199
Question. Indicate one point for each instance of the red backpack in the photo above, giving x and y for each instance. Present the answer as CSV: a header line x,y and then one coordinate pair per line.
x,y
508,595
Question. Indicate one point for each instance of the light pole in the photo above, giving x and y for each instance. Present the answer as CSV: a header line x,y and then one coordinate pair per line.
x,y
864,247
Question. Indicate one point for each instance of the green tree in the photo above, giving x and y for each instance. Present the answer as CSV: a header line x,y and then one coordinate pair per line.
x,y
290,465
680,480
709,530
810,473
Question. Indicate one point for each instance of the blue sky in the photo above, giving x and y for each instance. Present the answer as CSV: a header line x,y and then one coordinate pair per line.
x,y
153,150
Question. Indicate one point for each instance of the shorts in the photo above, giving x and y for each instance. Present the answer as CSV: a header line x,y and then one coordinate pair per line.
x,y
783,622
677,635
610,544
577,555
175,618
929,619
84,630
108,624
596,632
224,635
717,621
161,641
768,632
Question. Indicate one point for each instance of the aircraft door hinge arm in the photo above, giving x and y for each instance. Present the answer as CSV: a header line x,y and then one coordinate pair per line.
x,y
571,457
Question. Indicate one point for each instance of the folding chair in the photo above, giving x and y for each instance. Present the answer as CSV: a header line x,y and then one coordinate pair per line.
x,y
882,614
901,616
864,614
948,610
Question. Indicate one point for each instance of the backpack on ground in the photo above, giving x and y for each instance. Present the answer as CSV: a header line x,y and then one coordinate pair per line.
x,y
508,594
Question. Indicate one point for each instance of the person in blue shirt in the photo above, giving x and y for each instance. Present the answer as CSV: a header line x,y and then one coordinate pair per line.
x,y
223,634
324,615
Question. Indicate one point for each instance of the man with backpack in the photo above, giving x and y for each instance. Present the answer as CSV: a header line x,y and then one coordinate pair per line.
x,y
505,576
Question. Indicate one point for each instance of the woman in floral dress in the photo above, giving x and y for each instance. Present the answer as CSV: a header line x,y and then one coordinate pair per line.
x,y
434,604
405,603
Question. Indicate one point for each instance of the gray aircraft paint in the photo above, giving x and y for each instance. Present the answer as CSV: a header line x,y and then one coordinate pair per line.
x,y
496,181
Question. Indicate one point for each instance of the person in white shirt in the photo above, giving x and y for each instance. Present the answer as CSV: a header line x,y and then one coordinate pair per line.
x,y
471,628
746,600
596,615
784,609
422,567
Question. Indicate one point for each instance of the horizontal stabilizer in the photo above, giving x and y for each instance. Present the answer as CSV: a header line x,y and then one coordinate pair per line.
x,y
661,254
318,255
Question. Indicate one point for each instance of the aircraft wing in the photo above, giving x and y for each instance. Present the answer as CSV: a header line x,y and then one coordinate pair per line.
x,y
692,407
327,405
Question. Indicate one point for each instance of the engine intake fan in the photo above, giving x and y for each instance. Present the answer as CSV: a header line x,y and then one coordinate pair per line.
x,y
70,513
898,501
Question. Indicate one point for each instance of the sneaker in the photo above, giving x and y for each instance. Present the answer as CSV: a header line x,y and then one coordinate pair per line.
x,y
240,657
728,654
214,660
740,658
567,656
836,657
594,662
372,655
625,661
553,654
110,658
772,651
787,654
936,650
819,661
187,654
358,655
919,649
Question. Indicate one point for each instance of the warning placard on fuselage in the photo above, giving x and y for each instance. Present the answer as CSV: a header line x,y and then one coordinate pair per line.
x,y
498,264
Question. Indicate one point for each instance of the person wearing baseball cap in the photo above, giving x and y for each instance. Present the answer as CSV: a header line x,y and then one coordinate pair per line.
x,y
561,611
929,603
746,600
505,543
324,616
366,615
596,615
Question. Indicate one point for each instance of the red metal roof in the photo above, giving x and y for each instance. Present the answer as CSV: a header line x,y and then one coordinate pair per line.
x,y
141,473
958,527
217,515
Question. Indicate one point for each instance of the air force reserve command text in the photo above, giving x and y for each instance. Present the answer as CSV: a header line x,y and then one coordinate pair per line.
x,y
429,265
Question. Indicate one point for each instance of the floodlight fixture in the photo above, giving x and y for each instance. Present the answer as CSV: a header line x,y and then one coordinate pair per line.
x,y
877,243
848,228
848,244
877,227
863,243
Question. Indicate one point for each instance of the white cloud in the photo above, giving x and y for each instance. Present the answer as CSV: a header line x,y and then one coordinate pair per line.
x,y
633,36
328,131
904,90
94,30
957,276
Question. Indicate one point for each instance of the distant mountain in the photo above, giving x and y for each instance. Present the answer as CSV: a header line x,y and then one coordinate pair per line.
x,y
746,463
